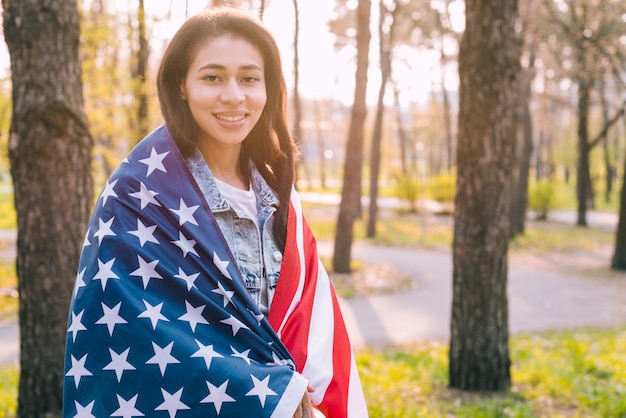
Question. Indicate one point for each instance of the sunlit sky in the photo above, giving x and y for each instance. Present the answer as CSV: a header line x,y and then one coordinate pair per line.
x,y
324,71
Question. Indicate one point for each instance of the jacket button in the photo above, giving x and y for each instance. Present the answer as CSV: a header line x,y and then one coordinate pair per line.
x,y
277,255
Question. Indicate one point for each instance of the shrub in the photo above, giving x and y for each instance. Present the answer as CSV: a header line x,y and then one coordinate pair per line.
x,y
541,198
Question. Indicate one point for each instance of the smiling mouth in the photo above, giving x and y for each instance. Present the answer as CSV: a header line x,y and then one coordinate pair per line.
x,y
227,118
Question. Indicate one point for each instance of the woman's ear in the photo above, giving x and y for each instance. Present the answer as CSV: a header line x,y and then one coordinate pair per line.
x,y
183,92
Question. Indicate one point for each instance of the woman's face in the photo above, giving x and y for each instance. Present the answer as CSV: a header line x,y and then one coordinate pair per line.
x,y
225,90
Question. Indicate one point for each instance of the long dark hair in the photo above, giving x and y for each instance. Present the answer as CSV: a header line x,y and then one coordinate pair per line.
x,y
269,145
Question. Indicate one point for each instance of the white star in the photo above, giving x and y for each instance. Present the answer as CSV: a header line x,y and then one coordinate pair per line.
x,y
217,396
261,389
185,245
104,230
119,363
155,161
244,355
277,361
144,233
207,353
162,357
76,325
145,196
86,242
111,317
80,281
154,313
221,265
78,369
194,316
105,272
84,411
228,295
127,408
234,323
146,271
185,213
189,279
172,403
108,192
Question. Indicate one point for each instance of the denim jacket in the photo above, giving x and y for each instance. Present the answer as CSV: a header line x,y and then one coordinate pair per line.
x,y
254,249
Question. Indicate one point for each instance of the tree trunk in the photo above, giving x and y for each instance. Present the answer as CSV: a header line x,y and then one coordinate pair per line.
x,y
618,261
351,189
583,179
141,127
384,52
403,136
489,68
50,154
297,104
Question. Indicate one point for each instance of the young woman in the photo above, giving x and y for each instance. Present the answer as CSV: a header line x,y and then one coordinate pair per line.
x,y
200,291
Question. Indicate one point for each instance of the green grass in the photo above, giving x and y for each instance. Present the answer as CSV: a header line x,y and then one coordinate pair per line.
x,y
8,391
560,374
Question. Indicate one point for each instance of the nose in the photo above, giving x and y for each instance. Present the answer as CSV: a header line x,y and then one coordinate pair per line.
x,y
232,93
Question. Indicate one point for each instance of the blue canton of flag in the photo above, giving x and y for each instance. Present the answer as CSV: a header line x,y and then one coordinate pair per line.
x,y
160,321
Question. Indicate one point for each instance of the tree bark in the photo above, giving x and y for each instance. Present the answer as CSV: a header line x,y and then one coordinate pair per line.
x,y
489,68
50,154
351,189
384,52
618,262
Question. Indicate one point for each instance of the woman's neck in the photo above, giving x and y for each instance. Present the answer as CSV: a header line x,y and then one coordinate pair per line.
x,y
224,165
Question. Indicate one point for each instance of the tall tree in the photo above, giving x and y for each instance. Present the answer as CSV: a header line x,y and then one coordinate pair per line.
x,y
297,103
50,155
489,66
385,44
351,189
139,75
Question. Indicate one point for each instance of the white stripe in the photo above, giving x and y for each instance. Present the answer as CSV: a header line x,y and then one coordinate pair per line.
x,y
295,199
357,407
318,368
291,397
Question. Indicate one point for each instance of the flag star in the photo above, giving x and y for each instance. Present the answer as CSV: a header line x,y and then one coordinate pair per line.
x,y
244,355
162,357
153,313
111,317
171,402
277,361
105,272
86,242
194,316
104,230
108,192
155,162
127,408
80,281
144,233
76,325
119,363
228,295
185,245
84,411
78,369
217,396
234,323
221,265
146,271
189,279
261,389
207,353
145,196
185,213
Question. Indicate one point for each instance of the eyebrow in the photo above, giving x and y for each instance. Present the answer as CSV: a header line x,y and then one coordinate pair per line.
x,y
221,67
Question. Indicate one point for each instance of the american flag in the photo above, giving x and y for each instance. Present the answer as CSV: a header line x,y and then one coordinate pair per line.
x,y
161,323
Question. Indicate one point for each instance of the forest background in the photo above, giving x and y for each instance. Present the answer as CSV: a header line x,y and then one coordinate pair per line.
x,y
569,132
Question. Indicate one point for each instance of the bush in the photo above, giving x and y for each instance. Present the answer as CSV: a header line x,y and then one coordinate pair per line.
x,y
443,188
409,189
541,198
